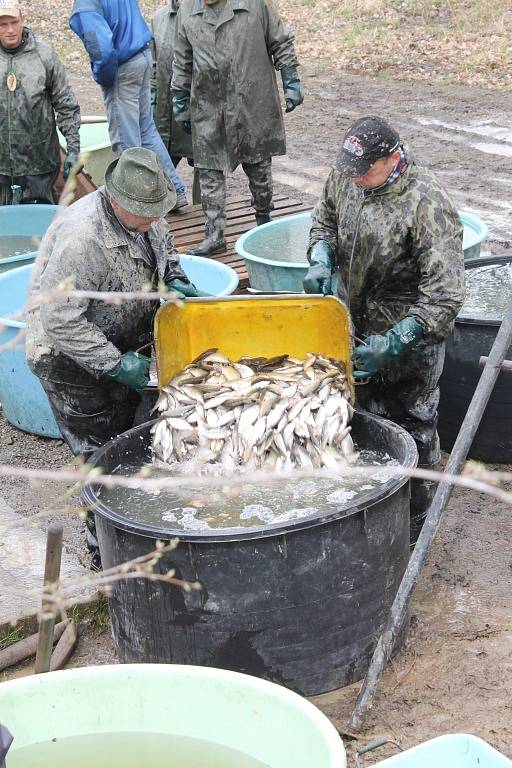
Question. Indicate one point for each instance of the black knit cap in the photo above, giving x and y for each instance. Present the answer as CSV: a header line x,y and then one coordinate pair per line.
x,y
368,139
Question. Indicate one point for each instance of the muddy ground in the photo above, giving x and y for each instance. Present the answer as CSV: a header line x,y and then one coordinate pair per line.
x,y
455,673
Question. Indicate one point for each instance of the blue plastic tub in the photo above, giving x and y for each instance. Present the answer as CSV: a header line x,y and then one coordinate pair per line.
x,y
27,221
455,750
24,401
275,253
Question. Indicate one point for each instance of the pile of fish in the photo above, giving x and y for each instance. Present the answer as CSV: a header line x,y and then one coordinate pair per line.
x,y
274,413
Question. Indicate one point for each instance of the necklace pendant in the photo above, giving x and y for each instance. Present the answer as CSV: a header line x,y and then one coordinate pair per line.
x,y
11,82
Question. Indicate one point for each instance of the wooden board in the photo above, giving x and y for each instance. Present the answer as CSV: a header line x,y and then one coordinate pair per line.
x,y
187,226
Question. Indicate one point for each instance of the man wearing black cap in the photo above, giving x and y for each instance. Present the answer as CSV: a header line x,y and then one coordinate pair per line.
x,y
390,229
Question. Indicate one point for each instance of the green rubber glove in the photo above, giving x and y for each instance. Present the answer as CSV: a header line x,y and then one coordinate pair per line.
x,y
69,162
380,350
185,290
291,87
181,109
318,278
132,370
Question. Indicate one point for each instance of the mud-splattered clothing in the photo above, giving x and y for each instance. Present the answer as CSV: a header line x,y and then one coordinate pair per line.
x,y
398,249
86,244
30,114
227,62
163,26
399,252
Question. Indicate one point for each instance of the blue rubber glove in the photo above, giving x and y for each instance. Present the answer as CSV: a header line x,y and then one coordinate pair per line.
x,y
291,87
70,161
379,350
185,290
318,278
181,109
132,370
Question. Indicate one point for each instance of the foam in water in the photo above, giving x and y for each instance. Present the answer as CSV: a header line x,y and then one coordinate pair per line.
x,y
199,507
488,291
15,245
129,750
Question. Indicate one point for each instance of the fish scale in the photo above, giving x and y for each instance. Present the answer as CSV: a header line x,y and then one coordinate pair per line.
x,y
275,413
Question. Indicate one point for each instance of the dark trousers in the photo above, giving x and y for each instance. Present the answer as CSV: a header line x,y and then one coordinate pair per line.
x,y
407,392
34,189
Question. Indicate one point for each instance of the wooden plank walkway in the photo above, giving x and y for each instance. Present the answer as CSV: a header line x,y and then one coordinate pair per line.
x,y
187,226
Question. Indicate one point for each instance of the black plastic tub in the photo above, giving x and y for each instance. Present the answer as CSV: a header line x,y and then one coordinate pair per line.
x,y
300,603
471,338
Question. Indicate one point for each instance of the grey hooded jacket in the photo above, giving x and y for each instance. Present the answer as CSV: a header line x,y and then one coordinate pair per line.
x,y
28,131
89,250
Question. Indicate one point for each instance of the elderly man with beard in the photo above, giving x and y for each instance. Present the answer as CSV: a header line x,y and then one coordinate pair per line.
x,y
389,228
225,92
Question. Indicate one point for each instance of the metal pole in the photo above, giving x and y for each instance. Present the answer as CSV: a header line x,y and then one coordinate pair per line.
x,y
51,578
455,463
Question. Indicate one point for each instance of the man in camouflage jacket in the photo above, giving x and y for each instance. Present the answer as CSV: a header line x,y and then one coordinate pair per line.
x,y
34,87
388,227
84,350
226,54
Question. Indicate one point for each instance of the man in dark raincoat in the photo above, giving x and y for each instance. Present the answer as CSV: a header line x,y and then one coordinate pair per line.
x,y
35,98
225,91
390,229
163,26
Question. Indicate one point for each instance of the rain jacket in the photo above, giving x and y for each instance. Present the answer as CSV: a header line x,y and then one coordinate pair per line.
x,y
227,63
112,31
163,27
87,245
28,134
399,250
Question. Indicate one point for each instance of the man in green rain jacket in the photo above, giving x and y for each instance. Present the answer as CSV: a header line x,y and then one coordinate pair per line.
x,y
177,141
34,89
390,229
225,91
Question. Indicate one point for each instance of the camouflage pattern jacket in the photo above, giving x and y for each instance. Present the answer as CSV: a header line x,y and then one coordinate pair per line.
x,y
28,134
87,245
163,27
398,249
227,63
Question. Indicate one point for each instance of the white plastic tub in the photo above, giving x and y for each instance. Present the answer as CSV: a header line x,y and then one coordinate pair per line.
x,y
455,750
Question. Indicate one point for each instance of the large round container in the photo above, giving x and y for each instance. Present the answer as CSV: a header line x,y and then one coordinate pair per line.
x,y
261,721
95,141
23,399
471,338
289,236
26,222
299,603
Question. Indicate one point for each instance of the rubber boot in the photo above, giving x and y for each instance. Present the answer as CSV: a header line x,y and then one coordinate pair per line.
x,y
262,218
213,194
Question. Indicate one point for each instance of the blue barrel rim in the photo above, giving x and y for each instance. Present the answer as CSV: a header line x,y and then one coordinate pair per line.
x,y
4,276
477,228
220,268
490,320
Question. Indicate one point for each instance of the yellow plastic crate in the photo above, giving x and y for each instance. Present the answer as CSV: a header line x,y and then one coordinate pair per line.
x,y
250,326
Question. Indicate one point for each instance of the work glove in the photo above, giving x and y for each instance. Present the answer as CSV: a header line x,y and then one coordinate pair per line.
x,y
132,370
291,87
70,161
181,109
185,290
318,278
379,350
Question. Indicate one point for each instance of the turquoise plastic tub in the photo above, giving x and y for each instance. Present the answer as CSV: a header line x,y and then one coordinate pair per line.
x,y
455,750
275,253
263,721
25,221
23,399
94,140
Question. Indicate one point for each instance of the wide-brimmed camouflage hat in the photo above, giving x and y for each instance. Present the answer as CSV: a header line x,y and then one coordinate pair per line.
x,y
137,183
